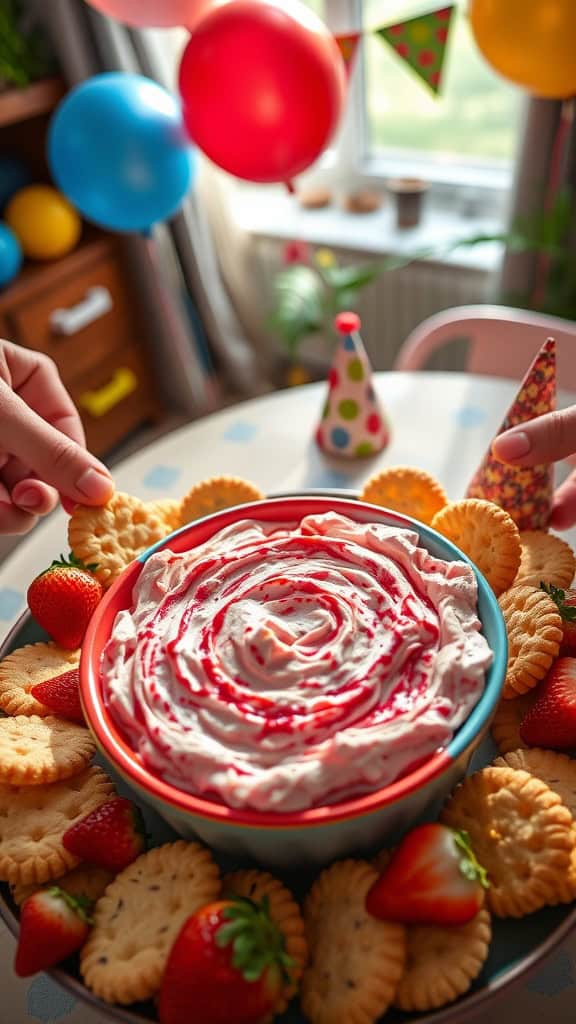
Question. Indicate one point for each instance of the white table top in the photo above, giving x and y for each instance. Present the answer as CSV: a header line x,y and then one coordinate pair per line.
x,y
440,422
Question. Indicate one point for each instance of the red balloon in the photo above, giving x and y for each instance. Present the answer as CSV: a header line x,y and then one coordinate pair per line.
x,y
262,85
149,13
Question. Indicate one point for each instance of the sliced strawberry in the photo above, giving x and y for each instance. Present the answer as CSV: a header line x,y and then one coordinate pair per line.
x,y
53,925
62,695
111,836
551,721
566,603
433,877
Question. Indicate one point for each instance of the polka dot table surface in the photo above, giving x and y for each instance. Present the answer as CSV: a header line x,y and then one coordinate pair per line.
x,y
439,422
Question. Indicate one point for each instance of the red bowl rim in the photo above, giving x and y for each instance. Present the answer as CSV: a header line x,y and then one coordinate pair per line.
x,y
121,755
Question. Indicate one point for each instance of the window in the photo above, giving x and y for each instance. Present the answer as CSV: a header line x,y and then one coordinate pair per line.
x,y
467,136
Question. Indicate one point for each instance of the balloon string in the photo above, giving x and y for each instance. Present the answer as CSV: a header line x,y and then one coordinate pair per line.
x,y
555,180
290,187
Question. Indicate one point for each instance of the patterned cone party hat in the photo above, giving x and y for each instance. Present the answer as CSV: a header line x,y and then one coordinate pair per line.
x,y
525,492
353,423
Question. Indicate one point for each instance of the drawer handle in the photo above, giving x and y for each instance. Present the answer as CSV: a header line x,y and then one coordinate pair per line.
x,y
96,303
100,402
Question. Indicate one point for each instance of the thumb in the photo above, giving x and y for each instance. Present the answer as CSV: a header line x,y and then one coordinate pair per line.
x,y
54,457
547,438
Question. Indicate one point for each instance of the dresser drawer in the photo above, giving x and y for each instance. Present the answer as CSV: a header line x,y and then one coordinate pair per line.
x,y
114,398
78,323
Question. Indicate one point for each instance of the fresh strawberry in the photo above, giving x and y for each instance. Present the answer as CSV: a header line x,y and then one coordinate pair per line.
x,y
63,598
62,695
227,966
53,925
433,877
551,721
111,836
566,602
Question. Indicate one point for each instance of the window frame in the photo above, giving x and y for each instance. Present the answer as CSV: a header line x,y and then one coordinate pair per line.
x,y
350,155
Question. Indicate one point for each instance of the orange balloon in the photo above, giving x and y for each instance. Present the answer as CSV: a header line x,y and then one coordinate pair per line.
x,y
530,42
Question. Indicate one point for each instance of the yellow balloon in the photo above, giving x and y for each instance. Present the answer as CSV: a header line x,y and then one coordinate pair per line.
x,y
43,220
530,42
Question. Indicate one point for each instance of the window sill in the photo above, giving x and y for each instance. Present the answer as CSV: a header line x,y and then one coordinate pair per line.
x,y
268,212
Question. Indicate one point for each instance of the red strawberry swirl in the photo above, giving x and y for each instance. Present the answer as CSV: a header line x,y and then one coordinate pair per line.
x,y
280,669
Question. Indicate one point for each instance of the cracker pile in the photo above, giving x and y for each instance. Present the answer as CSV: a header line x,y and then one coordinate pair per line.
x,y
347,966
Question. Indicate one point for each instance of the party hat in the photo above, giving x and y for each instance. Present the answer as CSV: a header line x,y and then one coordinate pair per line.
x,y
524,491
353,423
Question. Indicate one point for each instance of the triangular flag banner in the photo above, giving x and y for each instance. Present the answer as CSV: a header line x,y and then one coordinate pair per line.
x,y
348,45
353,423
421,43
525,492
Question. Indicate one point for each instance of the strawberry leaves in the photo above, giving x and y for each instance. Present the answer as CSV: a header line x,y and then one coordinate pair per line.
x,y
568,612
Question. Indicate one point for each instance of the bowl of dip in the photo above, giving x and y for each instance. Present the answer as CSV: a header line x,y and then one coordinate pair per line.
x,y
296,679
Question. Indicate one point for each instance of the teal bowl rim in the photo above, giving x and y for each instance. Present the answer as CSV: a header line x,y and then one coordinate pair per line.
x,y
118,751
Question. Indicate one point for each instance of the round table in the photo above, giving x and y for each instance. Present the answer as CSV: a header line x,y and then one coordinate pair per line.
x,y
441,422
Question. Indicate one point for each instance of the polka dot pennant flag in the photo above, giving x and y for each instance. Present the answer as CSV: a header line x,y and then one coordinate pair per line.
x,y
524,491
421,43
353,423
348,45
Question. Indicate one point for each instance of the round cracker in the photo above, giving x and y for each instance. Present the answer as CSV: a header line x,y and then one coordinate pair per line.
x,y
33,820
558,771
487,534
36,750
407,490
86,881
505,728
139,916
521,833
217,493
356,961
545,559
442,963
284,911
113,535
534,628
23,668
168,510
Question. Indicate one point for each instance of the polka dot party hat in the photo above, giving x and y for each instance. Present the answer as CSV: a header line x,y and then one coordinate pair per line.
x,y
353,423
525,492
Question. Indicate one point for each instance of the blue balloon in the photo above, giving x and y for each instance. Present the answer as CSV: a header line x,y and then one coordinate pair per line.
x,y
14,175
118,150
10,255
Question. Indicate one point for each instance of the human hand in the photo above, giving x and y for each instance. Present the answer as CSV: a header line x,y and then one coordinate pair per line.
x,y
42,444
545,439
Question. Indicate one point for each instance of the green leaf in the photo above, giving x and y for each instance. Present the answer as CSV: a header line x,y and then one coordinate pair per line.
x,y
567,611
468,864
299,295
351,278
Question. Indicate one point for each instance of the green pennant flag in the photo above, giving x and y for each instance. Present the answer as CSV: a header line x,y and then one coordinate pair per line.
x,y
421,43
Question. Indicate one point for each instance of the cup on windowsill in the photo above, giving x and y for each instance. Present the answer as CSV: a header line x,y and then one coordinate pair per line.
x,y
409,196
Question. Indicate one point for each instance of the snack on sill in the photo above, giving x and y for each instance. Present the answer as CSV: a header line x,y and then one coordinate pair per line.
x,y
534,630
28,665
314,198
36,750
407,490
485,533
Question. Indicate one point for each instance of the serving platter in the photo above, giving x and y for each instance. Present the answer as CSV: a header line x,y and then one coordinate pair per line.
x,y
517,948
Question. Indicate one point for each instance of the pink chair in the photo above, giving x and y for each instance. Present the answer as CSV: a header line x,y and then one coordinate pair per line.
x,y
501,341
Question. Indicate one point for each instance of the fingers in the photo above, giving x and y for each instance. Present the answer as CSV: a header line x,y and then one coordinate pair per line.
x,y
13,520
54,457
563,514
34,496
547,438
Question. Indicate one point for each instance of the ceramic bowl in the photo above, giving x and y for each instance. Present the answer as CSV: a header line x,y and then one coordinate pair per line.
x,y
322,833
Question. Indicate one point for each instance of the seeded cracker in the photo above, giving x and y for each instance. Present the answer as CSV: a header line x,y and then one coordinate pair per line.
x,y
139,916
355,961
